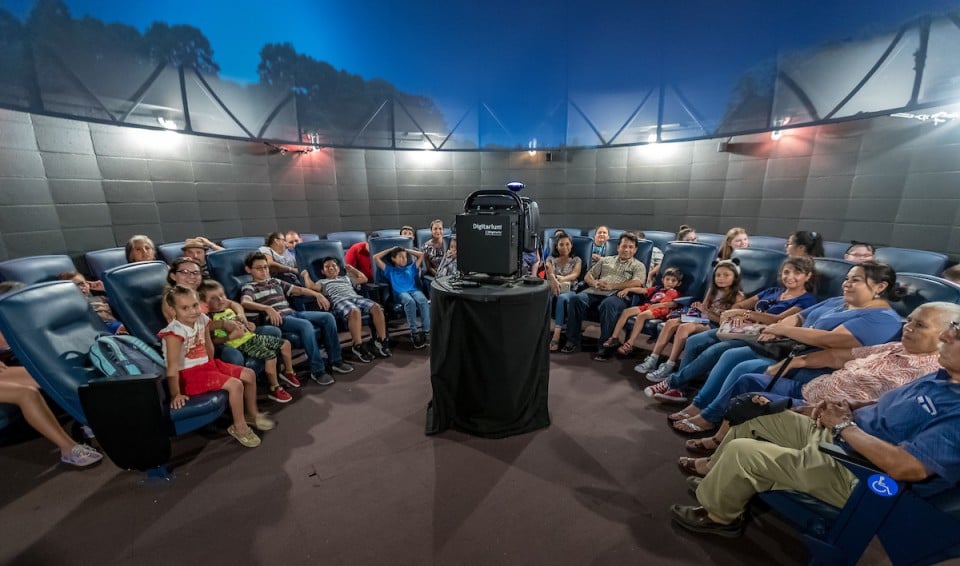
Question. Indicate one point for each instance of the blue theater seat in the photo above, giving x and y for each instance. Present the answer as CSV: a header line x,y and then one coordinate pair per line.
x,y
835,250
423,234
548,232
99,261
921,288
389,233
659,238
768,243
830,276
309,237
695,261
135,291
243,242
35,269
170,251
715,240
226,266
348,238
912,261
759,268
912,530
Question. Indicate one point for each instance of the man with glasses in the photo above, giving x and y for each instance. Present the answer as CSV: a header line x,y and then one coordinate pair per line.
x,y
910,433
859,252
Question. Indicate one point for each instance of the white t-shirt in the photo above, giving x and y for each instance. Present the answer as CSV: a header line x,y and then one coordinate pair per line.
x,y
194,350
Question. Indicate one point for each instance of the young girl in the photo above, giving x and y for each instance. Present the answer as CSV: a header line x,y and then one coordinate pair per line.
x,y
403,282
737,239
723,293
660,303
448,265
192,370
561,272
239,335
805,243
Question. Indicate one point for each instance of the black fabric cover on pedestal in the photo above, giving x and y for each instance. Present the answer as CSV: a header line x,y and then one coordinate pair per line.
x,y
489,361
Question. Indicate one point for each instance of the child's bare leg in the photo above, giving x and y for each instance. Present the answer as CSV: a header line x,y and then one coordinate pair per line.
x,y
235,392
249,381
638,325
355,325
35,411
379,322
680,340
664,338
270,370
287,356
622,321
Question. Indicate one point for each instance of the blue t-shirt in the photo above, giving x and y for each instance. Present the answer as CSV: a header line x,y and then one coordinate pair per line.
x,y
869,326
402,279
923,418
768,301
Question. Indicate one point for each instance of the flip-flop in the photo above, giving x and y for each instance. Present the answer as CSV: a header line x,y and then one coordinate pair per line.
x,y
686,426
689,466
679,416
699,446
554,345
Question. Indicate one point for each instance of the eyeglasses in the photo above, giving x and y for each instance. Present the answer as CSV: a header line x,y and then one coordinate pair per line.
x,y
866,255
188,273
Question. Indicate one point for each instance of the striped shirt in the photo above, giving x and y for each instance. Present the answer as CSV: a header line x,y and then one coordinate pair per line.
x,y
272,293
873,371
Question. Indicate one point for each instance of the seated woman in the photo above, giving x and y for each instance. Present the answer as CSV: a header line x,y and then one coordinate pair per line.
x,y
140,248
805,243
861,317
723,293
770,305
562,272
737,239
861,375
281,263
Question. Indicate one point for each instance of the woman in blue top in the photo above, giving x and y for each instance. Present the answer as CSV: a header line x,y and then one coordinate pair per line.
x,y
770,305
861,317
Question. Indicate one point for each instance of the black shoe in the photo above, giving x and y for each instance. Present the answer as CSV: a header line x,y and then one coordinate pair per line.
x,y
603,354
695,519
570,348
341,367
693,482
419,342
322,378
360,354
380,348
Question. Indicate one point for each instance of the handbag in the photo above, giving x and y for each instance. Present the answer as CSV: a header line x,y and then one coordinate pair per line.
x,y
746,332
776,349
742,408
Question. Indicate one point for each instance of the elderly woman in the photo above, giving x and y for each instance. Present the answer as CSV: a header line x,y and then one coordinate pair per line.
x,y
861,375
140,248
861,317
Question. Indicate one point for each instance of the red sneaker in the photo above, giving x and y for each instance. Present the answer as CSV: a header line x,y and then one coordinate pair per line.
x,y
290,379
279,395
658,389
671,396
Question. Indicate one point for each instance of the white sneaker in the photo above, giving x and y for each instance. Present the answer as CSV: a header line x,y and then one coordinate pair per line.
x,y
648,364
661,372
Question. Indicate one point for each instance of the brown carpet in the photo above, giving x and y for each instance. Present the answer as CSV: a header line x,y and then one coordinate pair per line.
x,y
348,477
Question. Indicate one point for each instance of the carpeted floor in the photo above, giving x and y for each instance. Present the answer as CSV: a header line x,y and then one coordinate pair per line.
x,y
348,477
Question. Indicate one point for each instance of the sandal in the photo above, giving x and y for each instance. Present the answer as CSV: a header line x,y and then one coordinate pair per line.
x,y
625,349
692,466
687,426
679,416
702,446
554,345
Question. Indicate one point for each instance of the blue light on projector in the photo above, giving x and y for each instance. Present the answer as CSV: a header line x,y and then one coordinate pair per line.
x,y
515,186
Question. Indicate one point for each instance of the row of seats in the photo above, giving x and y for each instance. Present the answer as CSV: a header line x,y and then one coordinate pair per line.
x,y
901,259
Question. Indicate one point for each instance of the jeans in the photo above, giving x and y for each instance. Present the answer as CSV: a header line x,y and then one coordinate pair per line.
x,y
412,302
701,353
610,309
560,310
306,323
732,364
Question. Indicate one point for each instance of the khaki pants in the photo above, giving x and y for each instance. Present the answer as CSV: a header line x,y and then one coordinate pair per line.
x,y
787,459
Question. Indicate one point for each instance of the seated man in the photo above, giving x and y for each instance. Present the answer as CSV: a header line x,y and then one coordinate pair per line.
x,y
292,238
269,295
196,248
607,282
909,433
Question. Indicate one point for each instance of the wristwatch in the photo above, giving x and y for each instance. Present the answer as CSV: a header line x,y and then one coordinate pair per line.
x,y
838,428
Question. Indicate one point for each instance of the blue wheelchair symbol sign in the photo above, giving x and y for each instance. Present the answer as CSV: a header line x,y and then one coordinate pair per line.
x,y
882,485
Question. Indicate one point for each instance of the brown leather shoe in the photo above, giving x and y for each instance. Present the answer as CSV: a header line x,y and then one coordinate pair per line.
x,y
695,519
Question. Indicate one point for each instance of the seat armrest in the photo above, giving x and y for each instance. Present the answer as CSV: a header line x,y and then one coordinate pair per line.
x,y
143,377
847,457
684,301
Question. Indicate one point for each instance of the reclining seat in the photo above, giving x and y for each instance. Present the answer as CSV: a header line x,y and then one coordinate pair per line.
x,y
53,348
35,269
921,288
830,276
348,238
695,262
245,242
912,261
99,261
759,269
135,290
310,256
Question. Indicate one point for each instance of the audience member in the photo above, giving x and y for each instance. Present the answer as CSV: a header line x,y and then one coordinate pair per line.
x,y
192,369
140,248
607,284
227,328
280,261
407,232
562,271
196,248
736,239
98,303
859,252
433,248
659,303
684,234
358,256
907,440
448,265
269,295
600,237
805,243
403,276
292,238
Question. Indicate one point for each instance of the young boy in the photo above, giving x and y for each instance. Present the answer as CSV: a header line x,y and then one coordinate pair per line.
x,y
269,295
403,282
351,307
97,303
238,335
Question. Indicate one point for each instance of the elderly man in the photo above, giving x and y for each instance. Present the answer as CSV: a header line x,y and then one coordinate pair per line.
x,y
607,284
196,248
909,433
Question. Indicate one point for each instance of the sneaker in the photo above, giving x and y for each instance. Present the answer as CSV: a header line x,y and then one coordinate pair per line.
x,y
661,387
248,438
648,364
290,379
671,396
81,455
426,338
341,367
322,378
368,350
419,342
261,421
603,354
381,349
570,348
280,395
661,372
358,353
